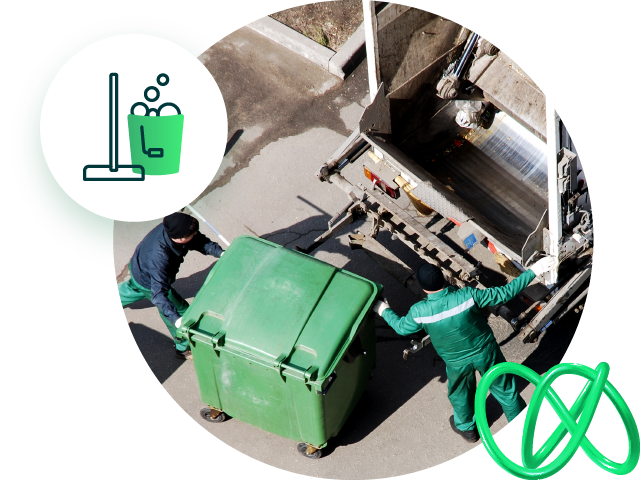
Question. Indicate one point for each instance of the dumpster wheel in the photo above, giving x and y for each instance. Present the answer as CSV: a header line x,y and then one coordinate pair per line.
x,y
206,414
305,448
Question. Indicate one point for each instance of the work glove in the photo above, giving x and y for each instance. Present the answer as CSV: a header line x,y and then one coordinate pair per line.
x,y
178,322
544,265
380,307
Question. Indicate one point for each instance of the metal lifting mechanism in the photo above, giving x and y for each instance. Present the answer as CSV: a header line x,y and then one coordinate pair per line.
x,y
448,87
416,346
504,173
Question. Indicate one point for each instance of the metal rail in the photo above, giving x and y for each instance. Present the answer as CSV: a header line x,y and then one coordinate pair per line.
x,y
387,215
554,308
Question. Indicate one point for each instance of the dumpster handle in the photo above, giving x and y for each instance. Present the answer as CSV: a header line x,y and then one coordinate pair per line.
x,y
216,340
311,374
278,364
190,335
332,379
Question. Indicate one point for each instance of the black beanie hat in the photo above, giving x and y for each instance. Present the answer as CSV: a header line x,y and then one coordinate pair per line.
x,y
177,224
430,277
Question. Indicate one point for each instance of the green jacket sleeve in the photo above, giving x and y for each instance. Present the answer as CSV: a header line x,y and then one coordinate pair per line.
x,y
402,325
490,297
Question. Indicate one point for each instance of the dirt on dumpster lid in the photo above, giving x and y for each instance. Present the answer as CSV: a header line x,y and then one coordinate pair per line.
x,y
328,23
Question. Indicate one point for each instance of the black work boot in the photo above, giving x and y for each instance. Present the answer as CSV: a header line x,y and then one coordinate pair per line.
x,y
470,436
183,355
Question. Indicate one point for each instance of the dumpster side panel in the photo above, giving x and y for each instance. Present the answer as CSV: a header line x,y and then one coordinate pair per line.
x,y
353,372
205,374
309,414
205,356
252,392
257,394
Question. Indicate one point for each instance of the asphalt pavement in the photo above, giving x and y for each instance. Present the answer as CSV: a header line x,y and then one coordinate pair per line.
x,y
286,117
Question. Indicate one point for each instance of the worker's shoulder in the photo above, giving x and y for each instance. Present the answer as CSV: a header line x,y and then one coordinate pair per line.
x,y
419,307
469,292
155,235
156,242
459,293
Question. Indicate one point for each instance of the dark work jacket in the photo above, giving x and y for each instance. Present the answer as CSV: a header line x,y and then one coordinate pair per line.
x,y
156,262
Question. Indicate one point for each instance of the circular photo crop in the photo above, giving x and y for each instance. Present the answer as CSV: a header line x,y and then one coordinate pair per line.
x,y
394,214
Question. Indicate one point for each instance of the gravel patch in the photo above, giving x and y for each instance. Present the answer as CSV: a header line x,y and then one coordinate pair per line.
x,y
327,23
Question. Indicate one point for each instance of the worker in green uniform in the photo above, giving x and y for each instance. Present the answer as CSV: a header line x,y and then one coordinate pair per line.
x,y
462,337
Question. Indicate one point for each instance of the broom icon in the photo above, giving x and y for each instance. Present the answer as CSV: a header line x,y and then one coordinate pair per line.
x,y
113,171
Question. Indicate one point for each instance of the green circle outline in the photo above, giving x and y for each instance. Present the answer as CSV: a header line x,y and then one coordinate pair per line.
x,y
71,225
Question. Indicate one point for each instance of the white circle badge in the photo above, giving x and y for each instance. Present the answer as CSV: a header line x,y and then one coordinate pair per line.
x,y
133,127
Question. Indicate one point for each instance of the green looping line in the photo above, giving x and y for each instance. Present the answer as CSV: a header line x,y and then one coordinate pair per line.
x,y
584,407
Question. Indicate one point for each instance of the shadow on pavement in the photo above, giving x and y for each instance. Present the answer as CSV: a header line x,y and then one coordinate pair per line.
x,y
233,140
189,286
157,349
394,382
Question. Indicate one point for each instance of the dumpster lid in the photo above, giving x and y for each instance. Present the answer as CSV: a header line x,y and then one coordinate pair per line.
x,y
281,306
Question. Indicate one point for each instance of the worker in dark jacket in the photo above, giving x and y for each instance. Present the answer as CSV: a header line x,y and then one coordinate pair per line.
x,y
462,337
155,264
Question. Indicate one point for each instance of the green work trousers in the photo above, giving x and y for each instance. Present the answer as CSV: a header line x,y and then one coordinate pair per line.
x,y
462,387
131,291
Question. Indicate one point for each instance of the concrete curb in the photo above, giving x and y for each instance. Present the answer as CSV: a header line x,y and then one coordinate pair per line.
x,y
350,54
340,63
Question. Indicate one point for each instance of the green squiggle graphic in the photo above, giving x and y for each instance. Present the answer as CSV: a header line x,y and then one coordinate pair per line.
x,y
77,229
584,407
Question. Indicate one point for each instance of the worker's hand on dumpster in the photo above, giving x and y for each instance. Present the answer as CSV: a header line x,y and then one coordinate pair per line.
x,y
380,307
544,265
178,322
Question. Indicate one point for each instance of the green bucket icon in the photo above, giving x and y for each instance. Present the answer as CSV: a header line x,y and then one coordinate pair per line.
x,y
155,143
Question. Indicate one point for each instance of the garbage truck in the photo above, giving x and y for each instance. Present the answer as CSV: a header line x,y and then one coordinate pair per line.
x,y
460,155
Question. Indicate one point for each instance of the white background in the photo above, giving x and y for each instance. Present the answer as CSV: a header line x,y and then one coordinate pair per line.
x,y
78,399
74,126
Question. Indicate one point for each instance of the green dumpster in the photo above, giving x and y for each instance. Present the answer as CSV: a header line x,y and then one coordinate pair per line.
x,y
282,341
